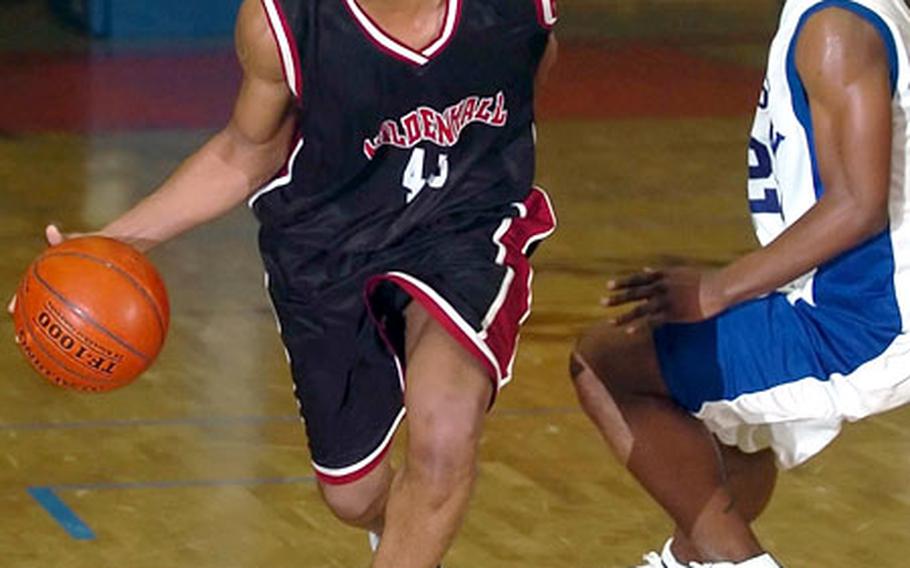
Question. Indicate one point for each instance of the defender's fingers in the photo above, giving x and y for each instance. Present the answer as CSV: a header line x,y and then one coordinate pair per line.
x,y
12,305
638,279
634,294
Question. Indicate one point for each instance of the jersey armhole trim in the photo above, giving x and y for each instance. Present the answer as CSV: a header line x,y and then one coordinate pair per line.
x,y
287,47
547,13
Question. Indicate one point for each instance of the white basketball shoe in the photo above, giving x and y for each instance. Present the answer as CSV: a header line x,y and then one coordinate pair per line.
x,y
666,560
663,560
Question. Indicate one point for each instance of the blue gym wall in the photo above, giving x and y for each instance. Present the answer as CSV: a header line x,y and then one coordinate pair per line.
x,y
156,18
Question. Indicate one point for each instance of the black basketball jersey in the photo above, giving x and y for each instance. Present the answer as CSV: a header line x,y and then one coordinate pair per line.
x,y
392,141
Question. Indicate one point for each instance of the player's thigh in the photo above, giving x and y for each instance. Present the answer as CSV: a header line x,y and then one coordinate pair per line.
x,y
626,363
448,390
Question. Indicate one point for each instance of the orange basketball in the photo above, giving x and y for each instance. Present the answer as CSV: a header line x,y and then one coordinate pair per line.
x,y
91,314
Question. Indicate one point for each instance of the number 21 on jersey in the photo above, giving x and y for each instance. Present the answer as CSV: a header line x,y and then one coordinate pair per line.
x,y
761,175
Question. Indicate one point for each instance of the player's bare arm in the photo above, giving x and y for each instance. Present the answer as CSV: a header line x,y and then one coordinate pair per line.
x,y
232,164
236,160
843,65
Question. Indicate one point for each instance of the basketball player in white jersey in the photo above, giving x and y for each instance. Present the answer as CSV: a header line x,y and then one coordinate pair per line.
x,y
711,375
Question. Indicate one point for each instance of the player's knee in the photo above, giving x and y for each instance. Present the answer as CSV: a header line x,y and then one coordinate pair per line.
x,y
354,504
579,371
583,378
443,442
590,349
594,351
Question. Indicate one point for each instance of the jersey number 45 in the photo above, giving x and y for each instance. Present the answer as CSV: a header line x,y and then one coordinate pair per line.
x,y
415,178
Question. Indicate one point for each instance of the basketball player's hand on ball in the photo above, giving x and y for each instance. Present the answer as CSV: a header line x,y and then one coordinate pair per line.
x,y
54,237
681,294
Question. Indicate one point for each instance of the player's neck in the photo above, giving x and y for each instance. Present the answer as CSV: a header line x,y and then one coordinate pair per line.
x,y
414,23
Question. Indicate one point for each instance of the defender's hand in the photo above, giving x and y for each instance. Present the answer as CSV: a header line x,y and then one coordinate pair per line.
x,y
683,295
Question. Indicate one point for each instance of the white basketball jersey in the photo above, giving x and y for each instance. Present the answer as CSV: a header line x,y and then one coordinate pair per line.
x,y
783,176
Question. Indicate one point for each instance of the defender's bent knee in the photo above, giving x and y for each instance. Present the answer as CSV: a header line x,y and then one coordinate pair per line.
x,y
591,359
586,382
626,364
600,345
610,369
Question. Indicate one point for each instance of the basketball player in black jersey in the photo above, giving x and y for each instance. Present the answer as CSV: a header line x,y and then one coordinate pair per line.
x,y
395,233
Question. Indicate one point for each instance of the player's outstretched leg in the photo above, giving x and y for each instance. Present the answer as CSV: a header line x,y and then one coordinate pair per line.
x,y
672,454
447,396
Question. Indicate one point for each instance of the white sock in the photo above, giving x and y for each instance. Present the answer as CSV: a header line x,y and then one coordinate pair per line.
x,y
374,541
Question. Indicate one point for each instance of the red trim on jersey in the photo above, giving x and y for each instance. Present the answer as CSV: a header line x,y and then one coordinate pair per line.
x,y
442,31
286,168
374,41
285,176
542,5
406,53
292,44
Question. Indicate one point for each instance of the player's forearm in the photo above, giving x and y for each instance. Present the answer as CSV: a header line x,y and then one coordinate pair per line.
x,y
214,180
831,227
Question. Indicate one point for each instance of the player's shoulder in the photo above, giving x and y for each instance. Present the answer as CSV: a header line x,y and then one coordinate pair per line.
x,y
851,21
255,44
838,17
849,31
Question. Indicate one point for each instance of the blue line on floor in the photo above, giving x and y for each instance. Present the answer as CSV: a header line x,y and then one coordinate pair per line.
x,y
55,506
65,517
47,496
214,421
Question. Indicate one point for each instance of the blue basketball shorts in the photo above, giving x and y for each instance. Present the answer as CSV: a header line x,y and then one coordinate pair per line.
x,y
785,374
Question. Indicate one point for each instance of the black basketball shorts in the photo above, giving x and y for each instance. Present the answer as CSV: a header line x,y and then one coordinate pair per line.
x,y
341,321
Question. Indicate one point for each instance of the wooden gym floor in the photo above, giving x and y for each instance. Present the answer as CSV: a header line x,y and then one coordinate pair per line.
x,y
202,463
